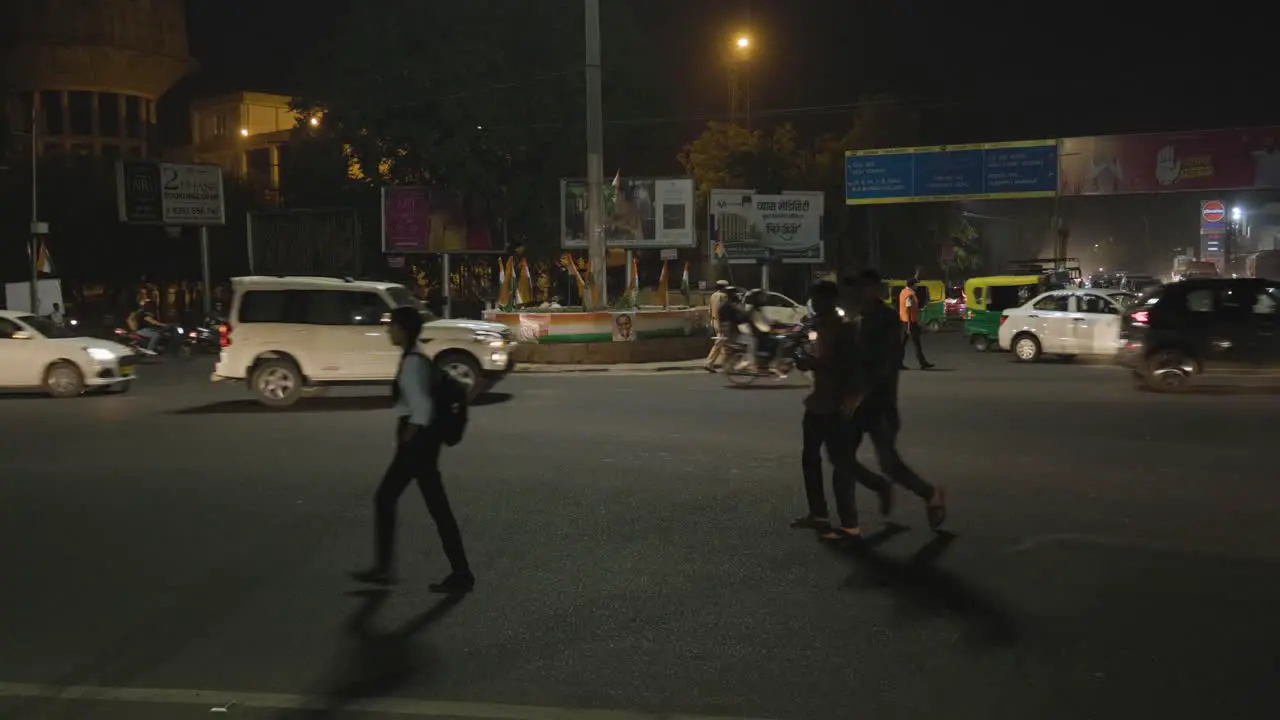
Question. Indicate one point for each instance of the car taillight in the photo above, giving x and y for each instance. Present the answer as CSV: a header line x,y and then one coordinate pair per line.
x,y
224,335
1003,318
1141,317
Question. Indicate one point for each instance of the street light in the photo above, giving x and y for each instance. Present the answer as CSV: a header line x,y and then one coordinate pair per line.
x,y
740,78
1237,212
744,42
244,132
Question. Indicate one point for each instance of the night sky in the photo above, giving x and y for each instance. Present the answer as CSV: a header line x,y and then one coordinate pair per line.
x,y
983,71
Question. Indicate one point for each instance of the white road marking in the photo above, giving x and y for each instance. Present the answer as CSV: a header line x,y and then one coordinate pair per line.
x,y
215,699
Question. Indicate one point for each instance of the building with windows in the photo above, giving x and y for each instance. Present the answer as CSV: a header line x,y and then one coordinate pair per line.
x,y
90,71
244,133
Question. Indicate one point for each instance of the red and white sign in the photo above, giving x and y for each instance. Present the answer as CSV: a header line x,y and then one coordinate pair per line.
x,y
1213,211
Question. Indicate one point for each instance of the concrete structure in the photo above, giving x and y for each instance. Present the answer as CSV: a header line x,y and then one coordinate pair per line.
x,y
91,72
243,133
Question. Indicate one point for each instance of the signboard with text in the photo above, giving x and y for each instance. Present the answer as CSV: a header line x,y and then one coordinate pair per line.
x,y
1171,162
751,227
170,193
952,172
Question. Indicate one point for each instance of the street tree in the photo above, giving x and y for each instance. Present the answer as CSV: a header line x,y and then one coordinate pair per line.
x,y
727,155
485,97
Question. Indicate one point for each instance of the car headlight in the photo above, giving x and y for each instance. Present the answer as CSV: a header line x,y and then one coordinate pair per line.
x,y
100,354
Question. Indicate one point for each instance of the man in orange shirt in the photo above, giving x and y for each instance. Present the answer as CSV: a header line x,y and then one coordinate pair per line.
x,y
909,314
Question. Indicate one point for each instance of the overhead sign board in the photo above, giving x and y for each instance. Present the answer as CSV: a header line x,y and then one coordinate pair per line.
x,y
170,193
992,171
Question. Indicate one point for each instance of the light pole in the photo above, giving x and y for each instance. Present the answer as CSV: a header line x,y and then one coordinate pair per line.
x,y
36,227
595,160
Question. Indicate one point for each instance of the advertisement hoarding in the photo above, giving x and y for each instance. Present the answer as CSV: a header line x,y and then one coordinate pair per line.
x,y
418,220
652,213
748,226
169,193
1027,169
1171,162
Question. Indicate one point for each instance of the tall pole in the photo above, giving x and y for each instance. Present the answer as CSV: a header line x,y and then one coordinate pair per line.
x,y
595,158
35,206
205,272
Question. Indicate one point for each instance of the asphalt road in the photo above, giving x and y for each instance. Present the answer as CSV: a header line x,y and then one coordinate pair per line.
x,y
177,550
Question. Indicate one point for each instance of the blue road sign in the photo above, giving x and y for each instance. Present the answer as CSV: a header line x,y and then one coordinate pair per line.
x,y
956,172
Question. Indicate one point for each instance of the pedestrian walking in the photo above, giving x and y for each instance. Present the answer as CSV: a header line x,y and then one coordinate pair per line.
x,y
722,333
909,317
419,440
828,423
876,414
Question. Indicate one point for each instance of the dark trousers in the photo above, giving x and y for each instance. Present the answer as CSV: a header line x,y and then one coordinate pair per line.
x,y
418,460
911,334
881,424
837,434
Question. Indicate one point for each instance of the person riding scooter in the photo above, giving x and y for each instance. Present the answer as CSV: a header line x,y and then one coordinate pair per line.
x,y
143,321
762,329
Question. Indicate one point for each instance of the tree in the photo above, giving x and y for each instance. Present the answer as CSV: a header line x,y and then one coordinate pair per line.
x,y
726,155
483,96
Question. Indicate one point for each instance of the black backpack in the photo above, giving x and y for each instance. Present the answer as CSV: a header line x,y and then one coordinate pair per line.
x,y
449,398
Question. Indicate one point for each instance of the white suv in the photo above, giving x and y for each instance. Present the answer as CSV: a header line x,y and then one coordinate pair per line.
x,y
287,334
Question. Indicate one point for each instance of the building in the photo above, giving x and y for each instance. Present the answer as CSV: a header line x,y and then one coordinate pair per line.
x,y
90,71
243,132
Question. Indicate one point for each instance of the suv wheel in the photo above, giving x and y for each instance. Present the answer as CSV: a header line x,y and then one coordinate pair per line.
x,y
463,368
1169,371
277,383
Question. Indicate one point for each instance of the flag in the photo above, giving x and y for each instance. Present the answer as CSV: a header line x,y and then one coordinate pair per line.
x,y
662,285
684,283
572,268
524,285
617,180
504,290
719,251
44,262
512,298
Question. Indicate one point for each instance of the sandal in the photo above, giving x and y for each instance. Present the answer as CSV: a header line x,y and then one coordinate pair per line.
x,y
810,522
836,534
936,510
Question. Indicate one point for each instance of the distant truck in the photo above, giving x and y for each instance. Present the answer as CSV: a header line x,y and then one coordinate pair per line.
x,y
1185,266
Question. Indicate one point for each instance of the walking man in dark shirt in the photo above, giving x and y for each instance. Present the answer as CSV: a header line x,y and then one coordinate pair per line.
x,y
828,421
878,359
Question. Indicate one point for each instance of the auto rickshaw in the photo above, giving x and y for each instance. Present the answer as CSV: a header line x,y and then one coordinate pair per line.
x,y
987,298
933,294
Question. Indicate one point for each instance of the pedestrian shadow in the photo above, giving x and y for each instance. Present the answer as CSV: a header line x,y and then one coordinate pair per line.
x,y
1225,390
378,663
924,588
770,384
491,398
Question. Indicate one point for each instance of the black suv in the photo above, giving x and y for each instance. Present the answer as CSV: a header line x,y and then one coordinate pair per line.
x,y
1214,326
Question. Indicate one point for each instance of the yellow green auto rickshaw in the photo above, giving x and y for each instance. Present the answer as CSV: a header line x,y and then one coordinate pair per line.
x,y
933,308
986,299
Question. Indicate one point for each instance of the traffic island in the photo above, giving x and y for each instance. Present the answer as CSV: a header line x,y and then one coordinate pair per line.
x,y
617,337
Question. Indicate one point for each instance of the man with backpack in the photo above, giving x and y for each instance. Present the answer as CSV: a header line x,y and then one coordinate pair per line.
x,y
432,409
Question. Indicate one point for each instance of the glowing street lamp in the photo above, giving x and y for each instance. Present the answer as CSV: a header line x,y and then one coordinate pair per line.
x,y
744,42
244,132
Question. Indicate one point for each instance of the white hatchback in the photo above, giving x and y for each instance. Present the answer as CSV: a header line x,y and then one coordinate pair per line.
x,y
37,354
1065,322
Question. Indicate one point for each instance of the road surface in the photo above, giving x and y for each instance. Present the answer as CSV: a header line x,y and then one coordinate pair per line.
x,y
177,550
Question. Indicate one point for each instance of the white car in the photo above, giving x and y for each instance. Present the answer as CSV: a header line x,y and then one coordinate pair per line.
x,y
36,353
287,334
783,310
1065,322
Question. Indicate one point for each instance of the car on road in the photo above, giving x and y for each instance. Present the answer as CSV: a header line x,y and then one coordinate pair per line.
x,y
1226,327
1066,323
286,335
782,310
37,353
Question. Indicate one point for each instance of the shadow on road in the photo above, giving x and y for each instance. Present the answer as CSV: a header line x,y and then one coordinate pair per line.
x,y
1231,390
492,398
379,662
926,588
305,405
769,384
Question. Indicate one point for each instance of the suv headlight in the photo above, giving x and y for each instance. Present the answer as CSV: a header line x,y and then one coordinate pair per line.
x,y
492,339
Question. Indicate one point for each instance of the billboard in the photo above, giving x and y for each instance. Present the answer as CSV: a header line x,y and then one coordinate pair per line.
x,y
434,220
638,213
991,171
748,226
1171,162
169,193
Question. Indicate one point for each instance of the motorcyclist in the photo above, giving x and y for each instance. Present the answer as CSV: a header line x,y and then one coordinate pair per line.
x,y
143,321
761,328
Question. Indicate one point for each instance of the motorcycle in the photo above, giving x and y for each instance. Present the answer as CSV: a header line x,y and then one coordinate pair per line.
x,y
743,368
170,343
203,340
